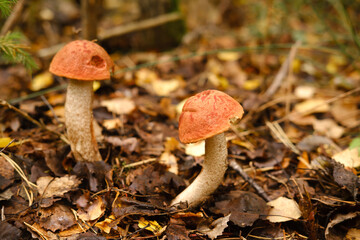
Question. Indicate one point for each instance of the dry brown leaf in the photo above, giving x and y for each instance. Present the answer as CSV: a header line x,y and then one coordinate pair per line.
x,y
314,105
93,211
169,159
283,210
336,228
346,113
165,87
329,128
119,105
115,123
216,228
56,217
51,187
349,157
304,91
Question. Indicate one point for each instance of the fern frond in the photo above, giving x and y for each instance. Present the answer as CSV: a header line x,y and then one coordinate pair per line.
x,y
14,52
6,6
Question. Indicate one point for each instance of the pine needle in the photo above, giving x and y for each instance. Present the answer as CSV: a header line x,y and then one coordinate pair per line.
x,y
14,52
6,7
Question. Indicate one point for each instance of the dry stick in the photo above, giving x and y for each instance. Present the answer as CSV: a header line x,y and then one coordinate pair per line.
x,y
50,107
118,31
284,69
141,25
37,123
14,16
243,174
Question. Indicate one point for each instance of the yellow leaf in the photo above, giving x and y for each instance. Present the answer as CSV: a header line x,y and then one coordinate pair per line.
x,y
6,140
96,85
41,81
296,65
228,56
165,87
152,226
104,225
251,84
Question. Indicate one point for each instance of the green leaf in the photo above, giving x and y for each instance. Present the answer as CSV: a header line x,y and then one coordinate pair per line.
x,y
355,143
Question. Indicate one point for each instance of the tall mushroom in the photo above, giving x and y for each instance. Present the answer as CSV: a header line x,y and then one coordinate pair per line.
x,y
82,62
207,115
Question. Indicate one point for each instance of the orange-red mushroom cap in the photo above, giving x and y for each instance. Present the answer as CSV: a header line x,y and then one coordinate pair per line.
x,y
206,114
82,60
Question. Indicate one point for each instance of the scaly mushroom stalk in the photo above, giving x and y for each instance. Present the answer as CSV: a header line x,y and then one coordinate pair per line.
x,y
206,116
82,62
79,121
211,175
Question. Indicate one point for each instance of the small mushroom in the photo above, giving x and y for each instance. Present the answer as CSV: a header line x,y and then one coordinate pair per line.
x,y
82,62
207,115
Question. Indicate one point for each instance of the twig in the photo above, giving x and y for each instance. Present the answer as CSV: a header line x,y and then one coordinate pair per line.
x,y
141,25
284,69
50,107
118,31
140,163
243,174
36,230
12,19
37,94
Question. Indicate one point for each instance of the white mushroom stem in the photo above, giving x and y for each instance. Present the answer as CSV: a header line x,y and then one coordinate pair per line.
x,y
78,121
211,175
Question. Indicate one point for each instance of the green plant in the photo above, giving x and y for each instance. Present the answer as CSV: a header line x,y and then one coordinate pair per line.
x,y
11,48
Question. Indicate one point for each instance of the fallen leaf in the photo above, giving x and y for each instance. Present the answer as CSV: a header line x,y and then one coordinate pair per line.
x,y
119,105
93,211
8,231
314,105
304,91
216,228
152,226
337,227
104,225
329,128
353,234
115,123
6,170
245,207
346,113
5,142
56,217
348,157
228,56
251,84
169,159
51,187
41,81
165,87
283,210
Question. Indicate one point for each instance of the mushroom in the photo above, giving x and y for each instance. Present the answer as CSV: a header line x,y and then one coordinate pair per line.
x,y
207,115
82,62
